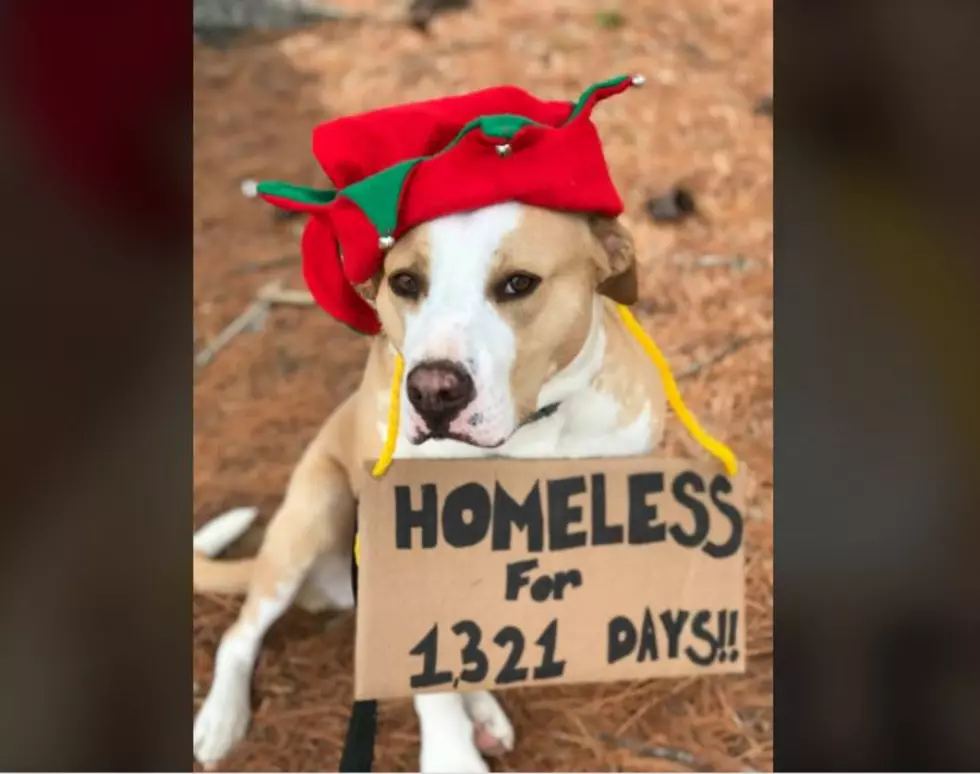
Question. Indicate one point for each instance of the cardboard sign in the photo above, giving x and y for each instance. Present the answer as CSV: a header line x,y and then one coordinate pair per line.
x,y
499,573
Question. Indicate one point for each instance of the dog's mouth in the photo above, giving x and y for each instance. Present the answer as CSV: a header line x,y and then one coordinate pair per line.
x,y
445,434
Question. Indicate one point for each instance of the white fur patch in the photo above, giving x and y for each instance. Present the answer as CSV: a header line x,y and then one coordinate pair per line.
x,y
584,366
446,736
219,533
448,723
457,322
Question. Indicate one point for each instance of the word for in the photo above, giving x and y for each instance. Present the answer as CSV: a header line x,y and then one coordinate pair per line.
x,y
476,663
544,586
470,514
660,638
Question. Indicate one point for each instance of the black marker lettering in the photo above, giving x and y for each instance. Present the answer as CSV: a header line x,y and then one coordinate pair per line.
x,y
407,518
685,481
526,516
549,667
456,529
674,628
511,672
428,649
721,485
475,664
699,630
648,640
602,534
542,588
566,579
562,514
622,638
517,577
722,628
642,530
733,635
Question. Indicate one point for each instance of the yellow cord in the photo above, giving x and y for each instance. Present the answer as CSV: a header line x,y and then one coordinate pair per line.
x,y
391,437
712,445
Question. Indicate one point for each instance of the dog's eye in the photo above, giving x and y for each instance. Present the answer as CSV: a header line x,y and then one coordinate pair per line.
x,y
516,286
404,284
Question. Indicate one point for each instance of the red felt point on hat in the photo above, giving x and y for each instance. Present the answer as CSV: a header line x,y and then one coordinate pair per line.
x,y
362,257
295,198
324,277
291,205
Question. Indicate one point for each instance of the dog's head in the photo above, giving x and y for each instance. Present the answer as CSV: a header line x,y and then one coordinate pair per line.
x,y
487,306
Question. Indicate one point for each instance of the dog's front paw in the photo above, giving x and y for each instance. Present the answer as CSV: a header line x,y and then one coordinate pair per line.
x,y
223,720
451,755
494,734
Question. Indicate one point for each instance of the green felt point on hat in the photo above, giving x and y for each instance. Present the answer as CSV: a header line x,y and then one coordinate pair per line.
x,y
583,100
297,193
504,126
378,195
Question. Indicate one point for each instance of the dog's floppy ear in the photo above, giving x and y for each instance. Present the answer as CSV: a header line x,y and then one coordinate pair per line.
x,y
615,260
368,290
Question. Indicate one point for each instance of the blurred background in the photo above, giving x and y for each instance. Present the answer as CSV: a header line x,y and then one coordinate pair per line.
x,y
691,154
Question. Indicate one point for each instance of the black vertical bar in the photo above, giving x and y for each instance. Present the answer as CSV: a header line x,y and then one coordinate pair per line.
x,y
358,752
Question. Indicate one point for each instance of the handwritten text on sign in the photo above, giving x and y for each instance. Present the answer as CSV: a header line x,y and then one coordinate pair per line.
x,y
508,572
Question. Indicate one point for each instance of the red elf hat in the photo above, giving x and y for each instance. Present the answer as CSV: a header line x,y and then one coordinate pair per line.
x,y
401,166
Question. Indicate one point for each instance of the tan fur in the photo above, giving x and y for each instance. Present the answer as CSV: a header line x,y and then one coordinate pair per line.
x,y
616,260
551,324
573,256
627,373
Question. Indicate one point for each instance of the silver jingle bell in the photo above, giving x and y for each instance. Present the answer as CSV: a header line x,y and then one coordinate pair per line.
x,y
638,80
504,149
386,242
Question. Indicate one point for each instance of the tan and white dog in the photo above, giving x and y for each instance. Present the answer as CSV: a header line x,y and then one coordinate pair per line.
x,y
498,312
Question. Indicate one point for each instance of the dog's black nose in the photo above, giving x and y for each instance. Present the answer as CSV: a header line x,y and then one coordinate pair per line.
x,y
439,390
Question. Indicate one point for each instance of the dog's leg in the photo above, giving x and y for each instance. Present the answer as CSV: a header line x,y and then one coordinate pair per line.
x,y
314,526
494,732
455,728
446,736
225,714
327,585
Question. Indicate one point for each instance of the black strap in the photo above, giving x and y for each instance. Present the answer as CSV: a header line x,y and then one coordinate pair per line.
x,y
358,752
542,413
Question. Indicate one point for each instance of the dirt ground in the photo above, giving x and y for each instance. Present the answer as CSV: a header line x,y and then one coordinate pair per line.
x,y
707,300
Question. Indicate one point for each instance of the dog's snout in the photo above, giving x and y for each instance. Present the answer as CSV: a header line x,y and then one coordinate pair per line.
x,y
439,390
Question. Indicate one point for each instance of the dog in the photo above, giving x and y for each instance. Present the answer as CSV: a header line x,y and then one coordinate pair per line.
x,y
507,322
